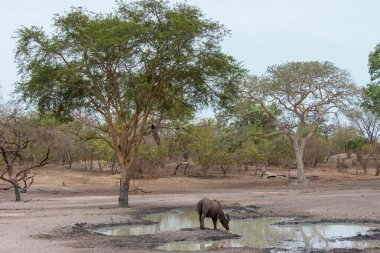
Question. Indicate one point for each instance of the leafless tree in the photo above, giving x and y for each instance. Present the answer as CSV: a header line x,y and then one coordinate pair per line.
x,y
365,121
19,151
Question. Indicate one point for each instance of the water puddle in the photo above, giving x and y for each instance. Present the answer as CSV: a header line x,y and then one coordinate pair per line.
x,y
256,233
163,222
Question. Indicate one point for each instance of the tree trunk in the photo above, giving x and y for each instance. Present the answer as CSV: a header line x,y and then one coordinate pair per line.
x,y
113,167
257,168
17,191
125,165
16,188
123,192
300,169
125,152
91,161
266,166
298,152
13,181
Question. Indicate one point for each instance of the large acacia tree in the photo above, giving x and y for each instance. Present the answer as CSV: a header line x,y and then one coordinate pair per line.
x,y
306,93
142,64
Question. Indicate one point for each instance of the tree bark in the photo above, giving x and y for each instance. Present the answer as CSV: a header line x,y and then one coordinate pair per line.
x,y
15,185
13,180
300,168
125,164
123,192
17,191
298,152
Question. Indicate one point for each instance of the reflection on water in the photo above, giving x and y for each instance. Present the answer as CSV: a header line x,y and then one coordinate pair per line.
x,y
261,233
166,221
257,233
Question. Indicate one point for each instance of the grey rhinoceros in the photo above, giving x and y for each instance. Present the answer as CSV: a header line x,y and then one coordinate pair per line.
x,y
212,209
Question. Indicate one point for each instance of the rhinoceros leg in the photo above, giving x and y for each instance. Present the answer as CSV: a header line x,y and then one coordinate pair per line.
x,y
215,220
202,217
203,221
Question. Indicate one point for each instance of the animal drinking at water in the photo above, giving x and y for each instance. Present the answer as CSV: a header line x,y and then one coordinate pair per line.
x,y
212,209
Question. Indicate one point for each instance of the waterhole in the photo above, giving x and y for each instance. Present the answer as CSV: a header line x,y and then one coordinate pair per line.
x,y
256,233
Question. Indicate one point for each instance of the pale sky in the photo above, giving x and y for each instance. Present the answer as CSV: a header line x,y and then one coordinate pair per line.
x,y
263,32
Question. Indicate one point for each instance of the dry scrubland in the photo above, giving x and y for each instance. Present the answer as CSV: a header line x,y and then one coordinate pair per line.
x,y
45,221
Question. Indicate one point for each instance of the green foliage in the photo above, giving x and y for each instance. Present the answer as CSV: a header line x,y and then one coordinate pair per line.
x,y
203,144
369,149
257,149
147,152
371,98
227,144
246,154
282,153
354,145
265,149
101,150
374,63
178,144
316,150
144,56
223,157
341,139
245,114
371,93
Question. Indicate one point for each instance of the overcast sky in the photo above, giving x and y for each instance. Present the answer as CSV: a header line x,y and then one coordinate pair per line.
x,y
263,32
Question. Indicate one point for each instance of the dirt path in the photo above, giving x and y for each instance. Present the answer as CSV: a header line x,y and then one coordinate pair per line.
x,y
44,222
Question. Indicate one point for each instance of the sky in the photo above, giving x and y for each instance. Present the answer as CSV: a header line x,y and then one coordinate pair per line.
x,y
263,32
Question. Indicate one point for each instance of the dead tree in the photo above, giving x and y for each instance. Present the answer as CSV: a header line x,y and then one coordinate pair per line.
x,y
18,152
19,176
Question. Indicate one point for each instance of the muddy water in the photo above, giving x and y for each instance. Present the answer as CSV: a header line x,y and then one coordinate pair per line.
x,y
257,233
166,221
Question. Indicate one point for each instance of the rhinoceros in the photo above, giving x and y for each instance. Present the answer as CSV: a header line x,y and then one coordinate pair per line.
x,y
212,209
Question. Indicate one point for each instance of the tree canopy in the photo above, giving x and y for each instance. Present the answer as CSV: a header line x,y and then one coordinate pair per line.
x,y
371,93
374,63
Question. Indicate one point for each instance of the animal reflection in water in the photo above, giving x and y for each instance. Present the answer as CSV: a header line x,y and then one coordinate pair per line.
x,y
212,209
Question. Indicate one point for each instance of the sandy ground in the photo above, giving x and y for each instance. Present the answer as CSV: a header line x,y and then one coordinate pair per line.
x,y
45,220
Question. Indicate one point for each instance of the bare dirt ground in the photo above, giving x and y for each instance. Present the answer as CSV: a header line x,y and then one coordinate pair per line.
x,y
56,211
